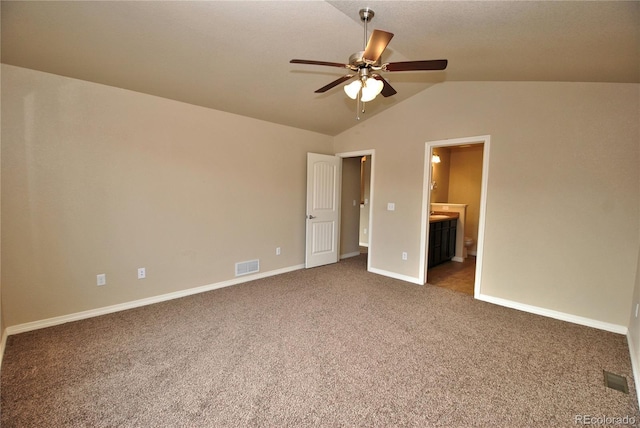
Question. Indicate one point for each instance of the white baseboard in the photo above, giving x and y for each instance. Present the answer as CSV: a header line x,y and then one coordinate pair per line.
x,y
346,256
575,319
458,259
635,364
396,276
364,244
49,322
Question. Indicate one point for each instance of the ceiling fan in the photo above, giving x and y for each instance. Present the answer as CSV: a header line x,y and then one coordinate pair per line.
x,y
366,64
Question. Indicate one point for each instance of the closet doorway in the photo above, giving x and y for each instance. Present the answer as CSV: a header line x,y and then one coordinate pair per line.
x,y
356,234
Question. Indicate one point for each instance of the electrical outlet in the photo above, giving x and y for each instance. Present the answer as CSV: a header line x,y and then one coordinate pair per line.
x,y
101,279
391,206
278,251
142,273
404,255
365,230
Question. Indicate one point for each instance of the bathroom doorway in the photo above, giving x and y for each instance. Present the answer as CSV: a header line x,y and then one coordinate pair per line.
x,y
455,185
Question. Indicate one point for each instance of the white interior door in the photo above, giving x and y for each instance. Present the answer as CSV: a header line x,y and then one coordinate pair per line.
x,y
323,209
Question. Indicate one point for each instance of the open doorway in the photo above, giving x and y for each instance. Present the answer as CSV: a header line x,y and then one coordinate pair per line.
x,y
356,202
454,202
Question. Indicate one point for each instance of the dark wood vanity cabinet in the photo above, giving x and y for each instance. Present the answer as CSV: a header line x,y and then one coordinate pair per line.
x,y
442,241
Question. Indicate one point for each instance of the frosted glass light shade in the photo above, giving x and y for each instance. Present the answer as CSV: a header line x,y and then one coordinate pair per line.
x,y
372,87
353,88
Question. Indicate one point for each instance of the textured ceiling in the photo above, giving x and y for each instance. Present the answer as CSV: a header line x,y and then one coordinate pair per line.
x,y
234,55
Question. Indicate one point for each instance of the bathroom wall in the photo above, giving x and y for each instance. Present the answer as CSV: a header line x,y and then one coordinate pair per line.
x,y
465,185
440,175
458,179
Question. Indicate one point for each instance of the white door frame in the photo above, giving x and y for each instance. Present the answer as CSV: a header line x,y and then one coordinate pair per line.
x,y
426,203
360,153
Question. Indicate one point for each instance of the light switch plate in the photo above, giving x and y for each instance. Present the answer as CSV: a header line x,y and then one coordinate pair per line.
x,y
391,206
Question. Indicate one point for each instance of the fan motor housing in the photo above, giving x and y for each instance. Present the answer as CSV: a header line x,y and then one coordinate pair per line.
x,y
356,61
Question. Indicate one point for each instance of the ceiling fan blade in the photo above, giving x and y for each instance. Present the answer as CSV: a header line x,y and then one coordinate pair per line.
x,y
433,64
376,45
387,89
334,83
311,62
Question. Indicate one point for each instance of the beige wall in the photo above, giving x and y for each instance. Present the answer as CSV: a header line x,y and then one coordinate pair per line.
x,y
634,327
2,325
562,201
101,180
97,179
634,322
350,210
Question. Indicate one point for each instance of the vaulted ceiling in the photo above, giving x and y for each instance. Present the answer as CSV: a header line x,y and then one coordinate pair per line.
x,y
234,55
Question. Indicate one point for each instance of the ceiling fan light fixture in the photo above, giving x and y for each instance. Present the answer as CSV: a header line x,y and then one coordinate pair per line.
x,y
366,64
353,88
371,89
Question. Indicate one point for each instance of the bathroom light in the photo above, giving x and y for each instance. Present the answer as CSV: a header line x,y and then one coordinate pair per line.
x,y
434,159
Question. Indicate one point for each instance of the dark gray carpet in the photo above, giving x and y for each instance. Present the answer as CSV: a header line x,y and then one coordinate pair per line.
x,y
330,346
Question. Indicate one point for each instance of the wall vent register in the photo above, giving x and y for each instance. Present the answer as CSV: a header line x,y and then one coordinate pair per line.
x,y
244,268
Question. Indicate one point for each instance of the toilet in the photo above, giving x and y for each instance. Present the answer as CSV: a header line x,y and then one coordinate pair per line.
x,y
468,243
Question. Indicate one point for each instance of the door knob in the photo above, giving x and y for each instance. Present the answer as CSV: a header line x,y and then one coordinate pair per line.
x,y
311,217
